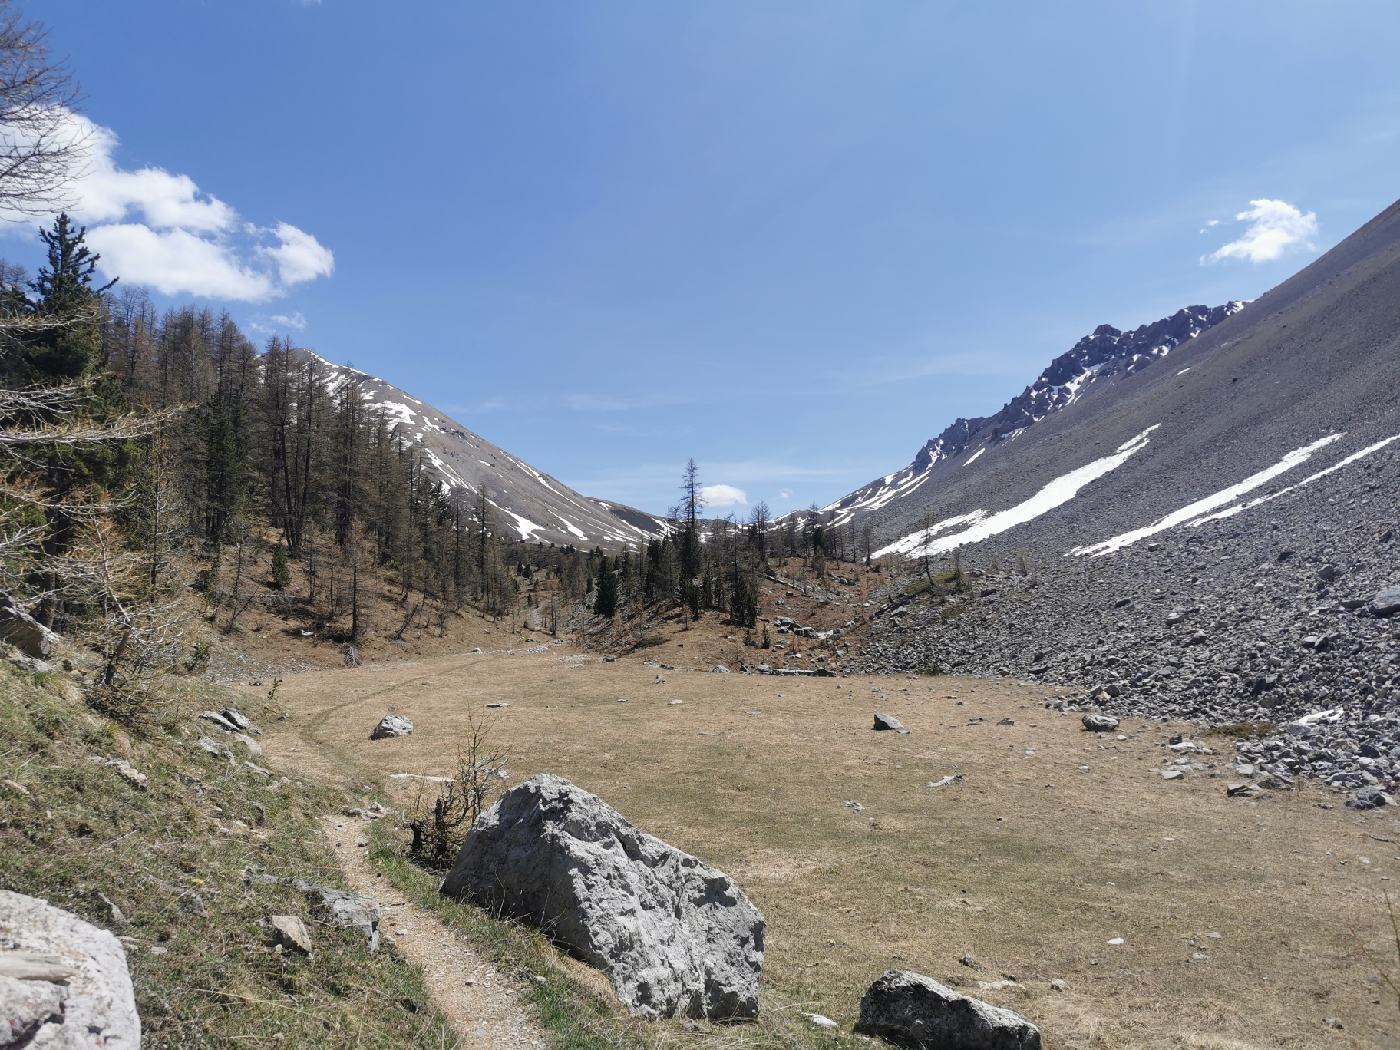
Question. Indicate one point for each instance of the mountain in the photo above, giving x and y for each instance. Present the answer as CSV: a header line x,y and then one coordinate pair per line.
x,y
1105,355
1204,537
530,504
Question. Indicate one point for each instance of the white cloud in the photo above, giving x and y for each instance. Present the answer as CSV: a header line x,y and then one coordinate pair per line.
x,y
1273,228
276,324
175,261
785,493
299,256
157,228
296,320
723,496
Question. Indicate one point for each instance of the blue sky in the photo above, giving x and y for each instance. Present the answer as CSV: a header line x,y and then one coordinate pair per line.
x,y
790,239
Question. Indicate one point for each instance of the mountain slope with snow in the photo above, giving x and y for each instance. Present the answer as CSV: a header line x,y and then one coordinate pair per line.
x,y
1097,359
529,504
1205,538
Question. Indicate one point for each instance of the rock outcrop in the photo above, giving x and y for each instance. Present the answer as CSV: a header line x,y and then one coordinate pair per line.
x,y
675,936
911,1010
63,982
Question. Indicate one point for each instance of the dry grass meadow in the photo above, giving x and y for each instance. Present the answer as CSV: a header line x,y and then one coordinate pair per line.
x,y
1245,924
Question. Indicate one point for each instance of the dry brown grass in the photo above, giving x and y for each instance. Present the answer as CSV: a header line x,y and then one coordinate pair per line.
x,y
1030,865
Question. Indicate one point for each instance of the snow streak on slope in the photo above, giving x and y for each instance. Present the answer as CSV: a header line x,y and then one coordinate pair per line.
x,y
1230,512
1190,513
982,526
1099,358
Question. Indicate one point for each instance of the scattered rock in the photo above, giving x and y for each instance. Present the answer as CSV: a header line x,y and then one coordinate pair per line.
x,y
820,1020
888,723
240,721
1369,798
129,773
287,932
63,982
911,1010
1242,790
947,781
675,936
1386,602
1095,722
391,725
344,909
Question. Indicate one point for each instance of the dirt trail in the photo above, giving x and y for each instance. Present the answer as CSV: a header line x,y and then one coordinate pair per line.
x,y
481,1004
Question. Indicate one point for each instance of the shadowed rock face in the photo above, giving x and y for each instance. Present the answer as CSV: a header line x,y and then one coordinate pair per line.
x,y
911,1010
675,936
63,982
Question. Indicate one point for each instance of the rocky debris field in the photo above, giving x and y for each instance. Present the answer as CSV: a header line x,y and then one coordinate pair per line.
x,y
1279,624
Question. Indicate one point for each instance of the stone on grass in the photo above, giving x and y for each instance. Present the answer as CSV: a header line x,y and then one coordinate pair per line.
x,y
391,725
288,932
24,632
63,982
674,936
1095,722
344,909
911,1010
887,722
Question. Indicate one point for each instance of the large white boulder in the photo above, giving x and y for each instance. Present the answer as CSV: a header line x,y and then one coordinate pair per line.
x,y
675,936
63,982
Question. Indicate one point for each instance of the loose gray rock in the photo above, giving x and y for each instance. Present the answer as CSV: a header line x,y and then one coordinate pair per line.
x,y
885,722
344,909
911,1010
240,721
288,932
1387,602
24,632
63,982
1099,723
391,725
675,936
1369,798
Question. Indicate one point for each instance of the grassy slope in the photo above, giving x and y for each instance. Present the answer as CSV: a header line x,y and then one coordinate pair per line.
x,y
172,858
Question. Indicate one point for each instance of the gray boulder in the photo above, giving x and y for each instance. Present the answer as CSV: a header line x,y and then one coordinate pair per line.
x,y
1097,723
888,723
24,632
391,725
1385,603
675,936
63,982
911,1010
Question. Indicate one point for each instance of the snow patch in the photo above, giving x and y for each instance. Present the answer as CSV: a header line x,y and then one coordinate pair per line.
x,y
983,526
1202,507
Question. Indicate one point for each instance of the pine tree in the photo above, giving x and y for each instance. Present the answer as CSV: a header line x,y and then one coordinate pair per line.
x,y
605,593
64,290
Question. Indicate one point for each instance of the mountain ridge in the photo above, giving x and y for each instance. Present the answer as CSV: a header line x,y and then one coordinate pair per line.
x,y
534,505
